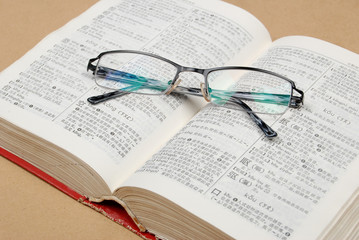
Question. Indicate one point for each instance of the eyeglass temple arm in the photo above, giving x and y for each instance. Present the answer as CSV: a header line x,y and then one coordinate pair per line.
x,y
267,130
107,96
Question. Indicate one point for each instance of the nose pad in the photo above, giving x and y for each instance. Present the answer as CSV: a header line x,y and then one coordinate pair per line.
x,y
174,86
205,93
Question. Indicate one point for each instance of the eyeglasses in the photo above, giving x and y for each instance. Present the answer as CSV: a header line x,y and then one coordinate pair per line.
x,y
250,89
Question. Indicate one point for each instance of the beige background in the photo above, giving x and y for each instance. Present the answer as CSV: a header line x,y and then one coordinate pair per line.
x,y
31,208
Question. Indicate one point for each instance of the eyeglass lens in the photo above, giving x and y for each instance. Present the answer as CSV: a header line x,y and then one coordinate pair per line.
x,y
138,73
133,72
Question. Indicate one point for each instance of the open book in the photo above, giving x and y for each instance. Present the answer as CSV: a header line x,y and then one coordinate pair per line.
x,y
182,168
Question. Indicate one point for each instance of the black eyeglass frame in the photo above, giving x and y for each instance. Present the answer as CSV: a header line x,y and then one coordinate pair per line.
x,y
295,100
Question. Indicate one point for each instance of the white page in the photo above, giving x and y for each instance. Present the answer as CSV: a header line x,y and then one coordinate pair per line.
x,y
50,82
279,187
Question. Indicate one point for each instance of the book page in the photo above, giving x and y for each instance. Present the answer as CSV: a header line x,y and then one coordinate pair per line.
x,y
51,83
288,187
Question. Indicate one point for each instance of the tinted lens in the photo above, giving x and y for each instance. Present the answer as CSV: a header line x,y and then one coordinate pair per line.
x,y
261,92
134,72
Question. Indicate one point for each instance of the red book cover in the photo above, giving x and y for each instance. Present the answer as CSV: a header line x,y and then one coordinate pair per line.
x,y
110,209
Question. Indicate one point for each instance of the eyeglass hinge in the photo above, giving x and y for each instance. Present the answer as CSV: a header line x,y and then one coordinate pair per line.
x,y
90,66
297,101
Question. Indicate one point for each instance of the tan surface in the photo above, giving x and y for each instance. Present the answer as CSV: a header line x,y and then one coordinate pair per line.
x,y
32,209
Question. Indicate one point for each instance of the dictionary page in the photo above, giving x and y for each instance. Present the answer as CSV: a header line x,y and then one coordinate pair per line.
x,y
49,86
221,168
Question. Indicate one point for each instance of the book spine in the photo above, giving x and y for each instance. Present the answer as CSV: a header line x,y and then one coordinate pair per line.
x,y
110,209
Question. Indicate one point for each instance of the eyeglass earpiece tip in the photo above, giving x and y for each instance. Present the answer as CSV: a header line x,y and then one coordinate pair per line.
x,y
271,134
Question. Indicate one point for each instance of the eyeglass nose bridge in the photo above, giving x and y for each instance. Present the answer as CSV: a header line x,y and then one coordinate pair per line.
x,y
203,85
191,69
